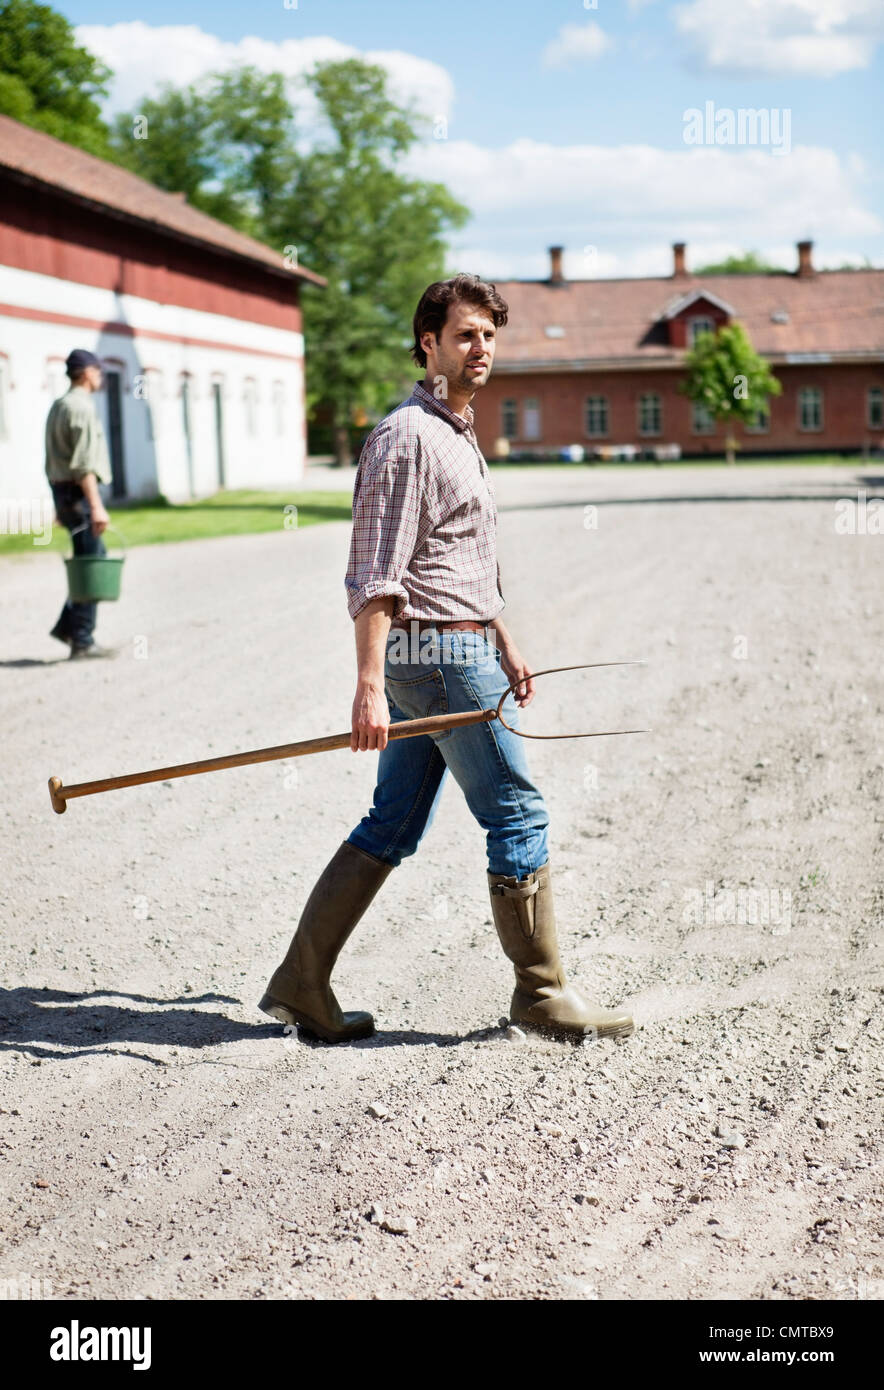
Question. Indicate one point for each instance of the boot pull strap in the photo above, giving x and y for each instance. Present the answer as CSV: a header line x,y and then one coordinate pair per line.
x,y
526,890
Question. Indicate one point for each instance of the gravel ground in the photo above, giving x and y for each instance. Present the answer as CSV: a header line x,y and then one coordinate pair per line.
x,y
720,874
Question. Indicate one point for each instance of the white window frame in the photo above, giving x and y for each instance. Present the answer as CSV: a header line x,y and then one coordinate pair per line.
x,y
509,410
754,427
647,396
707,425
531,406
803,393
602,404
701,324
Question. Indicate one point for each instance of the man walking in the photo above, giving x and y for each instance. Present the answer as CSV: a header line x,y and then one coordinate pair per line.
x,y
76,462
423,561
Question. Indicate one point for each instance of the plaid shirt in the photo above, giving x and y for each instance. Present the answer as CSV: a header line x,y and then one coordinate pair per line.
x,y
424,517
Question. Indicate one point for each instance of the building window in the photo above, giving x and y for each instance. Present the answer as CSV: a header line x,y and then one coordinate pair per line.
x,y
650,413
250,402
187,428
698,326
218,412
531,418
702,419
279,408
875,408
810,408
509,418
760,422
112,396
596,416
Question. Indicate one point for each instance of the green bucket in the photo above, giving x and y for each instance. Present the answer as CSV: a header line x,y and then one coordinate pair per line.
x,y
94,577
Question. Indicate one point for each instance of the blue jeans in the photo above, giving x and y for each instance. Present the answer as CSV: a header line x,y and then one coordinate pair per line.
x,y
489,763
76,621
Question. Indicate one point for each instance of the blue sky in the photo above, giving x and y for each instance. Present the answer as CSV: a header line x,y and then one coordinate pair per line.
x,y
566,124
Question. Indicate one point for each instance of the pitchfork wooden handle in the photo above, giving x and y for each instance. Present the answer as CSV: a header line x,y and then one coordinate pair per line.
x,y
60,795
405,728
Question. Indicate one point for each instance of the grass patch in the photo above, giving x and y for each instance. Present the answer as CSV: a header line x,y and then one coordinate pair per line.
x,y
225,514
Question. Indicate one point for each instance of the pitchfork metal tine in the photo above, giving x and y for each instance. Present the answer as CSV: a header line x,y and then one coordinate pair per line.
x,y
553,670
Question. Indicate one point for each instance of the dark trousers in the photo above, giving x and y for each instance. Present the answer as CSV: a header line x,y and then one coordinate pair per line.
x,y
76,621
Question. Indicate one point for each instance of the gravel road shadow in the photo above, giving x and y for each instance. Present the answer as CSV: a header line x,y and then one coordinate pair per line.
x,y
405,1038
40,1022
33,661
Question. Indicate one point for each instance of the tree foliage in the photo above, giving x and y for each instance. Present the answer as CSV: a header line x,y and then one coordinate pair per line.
x,y
725,374
374,232
225,142
750,263
339,197
47,80
339,194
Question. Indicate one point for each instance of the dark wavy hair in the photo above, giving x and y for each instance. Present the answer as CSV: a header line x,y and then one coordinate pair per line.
x,y
432,311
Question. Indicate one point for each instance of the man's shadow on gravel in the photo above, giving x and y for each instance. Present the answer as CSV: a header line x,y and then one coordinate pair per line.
x,y
45,1023
23,661
55,1024
398,1038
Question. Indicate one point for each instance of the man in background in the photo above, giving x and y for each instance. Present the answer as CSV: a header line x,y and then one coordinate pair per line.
x,y
76,462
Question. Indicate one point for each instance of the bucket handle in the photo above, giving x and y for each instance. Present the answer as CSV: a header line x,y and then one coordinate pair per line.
x,y
86,524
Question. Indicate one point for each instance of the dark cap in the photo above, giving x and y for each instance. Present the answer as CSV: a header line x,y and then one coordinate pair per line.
x,y
80,358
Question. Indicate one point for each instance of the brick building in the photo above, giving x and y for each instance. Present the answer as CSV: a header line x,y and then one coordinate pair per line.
x,y
197,326
596,363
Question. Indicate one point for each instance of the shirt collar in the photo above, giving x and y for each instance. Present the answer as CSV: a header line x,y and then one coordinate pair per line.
x,y
460,422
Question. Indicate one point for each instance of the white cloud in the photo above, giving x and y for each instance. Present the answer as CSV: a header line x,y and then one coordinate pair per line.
x,y
575,43
814,38
631,201
143,56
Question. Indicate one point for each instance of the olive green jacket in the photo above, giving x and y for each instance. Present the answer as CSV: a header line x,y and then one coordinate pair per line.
x,y
75,440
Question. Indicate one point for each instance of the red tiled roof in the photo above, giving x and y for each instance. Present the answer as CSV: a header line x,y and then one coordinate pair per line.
x,y
35,155
840,312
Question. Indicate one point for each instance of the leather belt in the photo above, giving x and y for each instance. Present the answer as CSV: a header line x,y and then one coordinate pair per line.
x,y
459,625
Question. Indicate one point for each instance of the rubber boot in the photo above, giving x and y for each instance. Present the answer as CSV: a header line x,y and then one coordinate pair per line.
x,y
525,920
299,992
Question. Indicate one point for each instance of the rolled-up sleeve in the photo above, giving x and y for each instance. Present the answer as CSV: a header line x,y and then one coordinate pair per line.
x,y
388,506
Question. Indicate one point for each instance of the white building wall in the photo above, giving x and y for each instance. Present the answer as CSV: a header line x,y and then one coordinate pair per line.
x,y
263,445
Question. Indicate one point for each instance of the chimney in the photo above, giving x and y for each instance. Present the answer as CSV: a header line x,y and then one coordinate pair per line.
x,y
678,266
805,260
555,265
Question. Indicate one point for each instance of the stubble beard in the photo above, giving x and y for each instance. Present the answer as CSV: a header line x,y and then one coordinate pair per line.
x,y
460,379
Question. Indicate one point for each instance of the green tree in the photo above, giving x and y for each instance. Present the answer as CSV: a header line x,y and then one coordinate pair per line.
x,y
725,374
226,142
47,80
229,143
750,263
374,233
